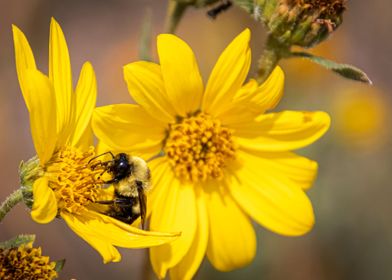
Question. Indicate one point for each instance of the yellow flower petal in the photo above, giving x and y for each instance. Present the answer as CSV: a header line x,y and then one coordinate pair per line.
x,y
300,170
145,84
127,128
252,100
271,199
86,140
92,227
228,75
60,75
42,114
288,130
232,241
183,83
77,223
176,211
85,95
189,265
161,179
269,93
24,60
44,208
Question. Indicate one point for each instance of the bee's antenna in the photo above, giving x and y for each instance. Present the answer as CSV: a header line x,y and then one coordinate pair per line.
x,y
160,154
100,156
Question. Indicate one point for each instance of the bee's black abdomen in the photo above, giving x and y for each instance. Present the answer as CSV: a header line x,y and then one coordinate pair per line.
x,y
123,209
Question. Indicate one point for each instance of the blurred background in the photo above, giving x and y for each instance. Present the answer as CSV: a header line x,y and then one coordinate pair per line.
x,y
352,197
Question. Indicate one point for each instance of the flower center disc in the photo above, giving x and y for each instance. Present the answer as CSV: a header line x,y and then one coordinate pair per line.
x,y
72,179
25,262
198,148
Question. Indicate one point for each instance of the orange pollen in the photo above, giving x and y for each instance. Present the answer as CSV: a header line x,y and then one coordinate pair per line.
x,y
72,179
198,148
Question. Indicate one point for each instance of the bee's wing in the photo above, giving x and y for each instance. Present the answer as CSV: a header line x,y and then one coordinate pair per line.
x,y
143,204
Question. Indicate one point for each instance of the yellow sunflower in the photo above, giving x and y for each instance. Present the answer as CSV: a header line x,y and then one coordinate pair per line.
x,y
62,181
225,160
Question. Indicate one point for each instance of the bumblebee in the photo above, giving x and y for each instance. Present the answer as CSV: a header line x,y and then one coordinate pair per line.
x,y
131,179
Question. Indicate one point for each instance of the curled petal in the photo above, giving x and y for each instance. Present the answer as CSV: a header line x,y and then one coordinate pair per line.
x,y
103,232
44,208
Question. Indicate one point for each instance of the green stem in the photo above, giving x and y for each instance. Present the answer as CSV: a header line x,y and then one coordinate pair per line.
x,y
10,202
274,51
175,11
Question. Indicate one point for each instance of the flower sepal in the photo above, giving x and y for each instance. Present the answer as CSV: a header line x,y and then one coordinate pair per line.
x,y
29,172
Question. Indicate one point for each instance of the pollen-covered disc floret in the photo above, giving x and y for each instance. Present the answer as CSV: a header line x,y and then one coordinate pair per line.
x,y
25,262
72,179
198,148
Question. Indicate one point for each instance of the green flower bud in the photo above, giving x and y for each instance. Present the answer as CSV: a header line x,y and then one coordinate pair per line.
x,y
302,23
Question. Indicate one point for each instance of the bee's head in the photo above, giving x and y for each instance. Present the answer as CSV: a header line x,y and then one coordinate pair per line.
x,y
121,167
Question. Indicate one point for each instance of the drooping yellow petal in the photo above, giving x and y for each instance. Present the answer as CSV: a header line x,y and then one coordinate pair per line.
x,y
44,208
180,72
24,60
85,97
228,75
253,99
300,170
93,227
189,265
288,130
176,211
42,114
232,240
127,127
270,198
145,84
108,252
60,75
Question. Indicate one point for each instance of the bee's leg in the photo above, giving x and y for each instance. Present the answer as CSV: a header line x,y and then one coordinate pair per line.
x,y
223,6
112,181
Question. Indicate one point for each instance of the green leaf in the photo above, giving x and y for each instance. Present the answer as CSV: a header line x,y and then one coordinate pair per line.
x,y
59,265
17,241
344,70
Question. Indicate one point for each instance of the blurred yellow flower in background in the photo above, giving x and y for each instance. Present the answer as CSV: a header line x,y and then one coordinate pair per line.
x,y
224,158
360,116
62,182
26,262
